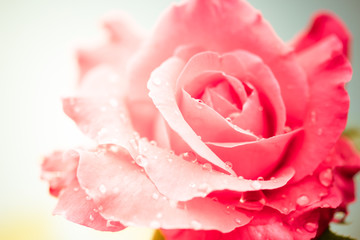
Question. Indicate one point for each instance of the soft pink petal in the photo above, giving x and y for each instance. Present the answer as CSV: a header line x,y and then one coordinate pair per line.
x,y
102,118
127,195
221,26
162,92
255,159
244,66
323,25
124,37
183,180
76,206
201,118
326,111
59,170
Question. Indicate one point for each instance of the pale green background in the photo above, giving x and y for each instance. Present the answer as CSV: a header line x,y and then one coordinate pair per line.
x,y
37,39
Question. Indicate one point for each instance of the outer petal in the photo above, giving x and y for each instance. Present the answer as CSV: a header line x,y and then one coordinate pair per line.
x,y
222,26
127,195
124,37
59,169
326,111
183,180
323,25
77,207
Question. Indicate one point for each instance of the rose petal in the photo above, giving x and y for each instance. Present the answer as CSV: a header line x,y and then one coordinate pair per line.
x,y
327,110
247,68
124,37
127,195
222,26
59,169
161,86
323,25
194,180
77,207
248,158
201,118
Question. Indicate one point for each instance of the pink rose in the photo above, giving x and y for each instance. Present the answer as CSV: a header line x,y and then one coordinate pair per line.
x,y
211,127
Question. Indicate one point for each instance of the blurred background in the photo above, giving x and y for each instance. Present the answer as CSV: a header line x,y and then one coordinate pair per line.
x,y
37,68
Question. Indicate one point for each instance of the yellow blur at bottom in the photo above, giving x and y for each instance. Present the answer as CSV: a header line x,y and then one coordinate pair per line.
x,y
35,226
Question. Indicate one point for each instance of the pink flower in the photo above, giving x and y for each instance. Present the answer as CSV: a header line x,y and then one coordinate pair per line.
x,y
211,127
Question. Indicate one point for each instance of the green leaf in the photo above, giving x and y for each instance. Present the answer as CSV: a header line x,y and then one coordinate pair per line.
x,y
328,235
158,236
354,135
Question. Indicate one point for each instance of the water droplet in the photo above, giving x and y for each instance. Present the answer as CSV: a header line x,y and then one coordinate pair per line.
x,y
102,189
154,224
326,177
159,215
192,185
339,217
109,223
287,129
313,116
155,196
91,217
228,165
196,225
272,178
95,210
260,178
285,210
303,200
113,102
133,143
199,103
207,167
189,156
114,148
100,208
156,80
252,200
319,131
229,209
170,160
228,119
153,143
310,227
215,199
325,205
88,198
76,189
238,221
141,160
204,188
240,177
256,185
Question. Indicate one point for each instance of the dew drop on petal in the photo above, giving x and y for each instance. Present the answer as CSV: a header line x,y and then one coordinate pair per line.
x,y
141,160
240,177
196,225
207,167
326,177
189,156
153,143
204,188
192,185
88,198
260,178
339,217
91,217
102,188
155,196
310,227
170,160
100,208
228,165
238,221
313,116
256,185
76,189
199,103
319,131
287,129
159,215
302,200
228,119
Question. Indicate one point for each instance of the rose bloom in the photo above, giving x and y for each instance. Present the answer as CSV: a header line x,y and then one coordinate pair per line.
x,y
210,127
